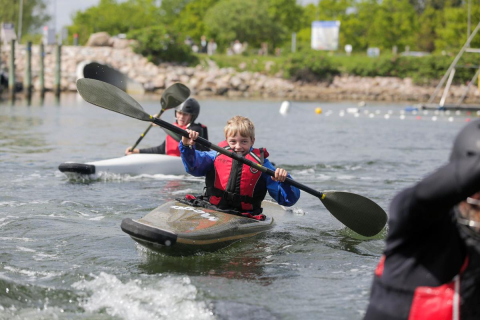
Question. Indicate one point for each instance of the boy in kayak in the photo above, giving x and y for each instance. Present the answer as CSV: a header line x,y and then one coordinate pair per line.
x,y
186,114
430,268
231,186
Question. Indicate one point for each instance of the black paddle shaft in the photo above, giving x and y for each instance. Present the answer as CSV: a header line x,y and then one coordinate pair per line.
x,y
145,133
235,156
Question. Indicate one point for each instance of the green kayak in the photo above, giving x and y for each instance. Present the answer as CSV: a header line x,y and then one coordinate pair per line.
x,y
177,228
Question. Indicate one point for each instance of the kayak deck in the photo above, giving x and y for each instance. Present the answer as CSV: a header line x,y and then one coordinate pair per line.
x,y
177,228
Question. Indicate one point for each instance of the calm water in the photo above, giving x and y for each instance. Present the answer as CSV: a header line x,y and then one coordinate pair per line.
x,y
63,255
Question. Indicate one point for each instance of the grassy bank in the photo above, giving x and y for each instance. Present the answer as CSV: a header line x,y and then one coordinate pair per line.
x,y
311,66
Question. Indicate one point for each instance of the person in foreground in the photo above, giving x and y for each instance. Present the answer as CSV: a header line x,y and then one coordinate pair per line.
x,y
231,186
431,265
186,114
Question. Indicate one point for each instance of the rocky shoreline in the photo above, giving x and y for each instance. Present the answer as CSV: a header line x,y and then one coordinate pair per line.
x,y
208,81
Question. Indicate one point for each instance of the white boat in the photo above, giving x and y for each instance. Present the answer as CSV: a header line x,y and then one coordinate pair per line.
x,y
135,164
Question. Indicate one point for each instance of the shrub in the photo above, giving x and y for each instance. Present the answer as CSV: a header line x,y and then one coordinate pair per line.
x,y
160,45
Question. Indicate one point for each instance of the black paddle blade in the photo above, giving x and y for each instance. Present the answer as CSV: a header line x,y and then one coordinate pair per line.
x,y
358,213
107,96
174,95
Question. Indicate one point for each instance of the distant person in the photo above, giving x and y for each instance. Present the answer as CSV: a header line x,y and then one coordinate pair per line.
x,y
195,48
237,47
430,268
186,114
189,41
211,47
263,49
231,186
203,44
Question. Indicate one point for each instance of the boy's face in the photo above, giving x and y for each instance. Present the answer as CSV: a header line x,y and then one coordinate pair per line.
x,y
183,118
240,145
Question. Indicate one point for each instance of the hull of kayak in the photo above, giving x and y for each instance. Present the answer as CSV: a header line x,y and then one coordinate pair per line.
x,y
135,164
179,229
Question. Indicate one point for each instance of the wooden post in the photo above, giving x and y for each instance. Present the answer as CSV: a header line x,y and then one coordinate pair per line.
x,y
58,70
11,71
42,69
27,81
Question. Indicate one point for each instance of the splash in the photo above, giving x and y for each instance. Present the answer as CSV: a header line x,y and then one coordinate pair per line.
x,y
165,298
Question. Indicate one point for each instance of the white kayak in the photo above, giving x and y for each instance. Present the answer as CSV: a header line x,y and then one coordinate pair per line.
x,y
135,164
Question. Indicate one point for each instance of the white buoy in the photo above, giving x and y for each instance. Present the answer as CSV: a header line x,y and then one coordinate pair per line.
x,y
357,115
371,115
284,107
434,118
447,112
377,111
387,116
362,104
425,113
402,117
450,119
458,112
342,113
352,110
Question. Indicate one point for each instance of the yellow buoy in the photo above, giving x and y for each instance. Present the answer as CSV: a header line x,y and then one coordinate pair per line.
x,y
318,110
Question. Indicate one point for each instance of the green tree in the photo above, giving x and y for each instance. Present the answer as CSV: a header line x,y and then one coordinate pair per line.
x,y
287,13
426,34
114,18
243,20
452,28
159,44
190,21
170,11
394,24
33,16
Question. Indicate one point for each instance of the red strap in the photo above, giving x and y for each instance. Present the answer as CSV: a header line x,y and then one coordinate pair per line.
x,y
260,217
379,269
190,197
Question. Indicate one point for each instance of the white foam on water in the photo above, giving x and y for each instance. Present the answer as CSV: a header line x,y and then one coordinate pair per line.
x,y
16,239
97,218
25,249
184,191
305,171
345,177
165,298
296,211
44,256
32,274
12,204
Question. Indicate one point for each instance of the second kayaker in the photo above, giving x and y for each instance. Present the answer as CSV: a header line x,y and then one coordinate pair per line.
x,y
185,115
231,186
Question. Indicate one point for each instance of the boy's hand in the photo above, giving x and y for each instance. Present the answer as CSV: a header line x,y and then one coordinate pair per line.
x,y
189,141
280,175
128,152
155,116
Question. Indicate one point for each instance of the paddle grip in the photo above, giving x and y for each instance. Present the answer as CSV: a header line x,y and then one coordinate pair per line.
x,y
235,156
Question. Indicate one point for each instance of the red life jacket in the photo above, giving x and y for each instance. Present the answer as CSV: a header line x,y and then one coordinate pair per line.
x,y
233,185
171,145
432,303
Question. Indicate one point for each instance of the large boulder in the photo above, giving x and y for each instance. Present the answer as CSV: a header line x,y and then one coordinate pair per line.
x,y
99,39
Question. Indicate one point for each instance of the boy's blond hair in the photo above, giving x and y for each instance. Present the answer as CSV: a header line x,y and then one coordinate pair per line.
x,y
239,124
